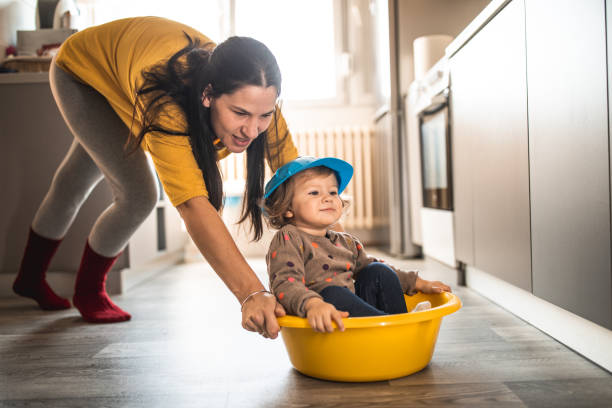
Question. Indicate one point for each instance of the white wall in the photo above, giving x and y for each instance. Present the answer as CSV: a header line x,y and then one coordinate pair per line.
x,y
15,15
428,17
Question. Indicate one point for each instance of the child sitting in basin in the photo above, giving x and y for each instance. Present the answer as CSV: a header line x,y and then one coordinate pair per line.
x,y
318,273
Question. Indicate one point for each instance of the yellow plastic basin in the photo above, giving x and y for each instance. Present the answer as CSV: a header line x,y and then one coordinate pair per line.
x,y
371,348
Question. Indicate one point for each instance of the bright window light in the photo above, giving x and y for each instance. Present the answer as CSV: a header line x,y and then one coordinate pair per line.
x,y
300,34
203,15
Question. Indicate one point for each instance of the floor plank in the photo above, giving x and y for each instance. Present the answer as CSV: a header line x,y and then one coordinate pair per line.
x,y
576,393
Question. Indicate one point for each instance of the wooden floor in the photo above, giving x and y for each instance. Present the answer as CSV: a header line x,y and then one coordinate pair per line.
x,y
185,348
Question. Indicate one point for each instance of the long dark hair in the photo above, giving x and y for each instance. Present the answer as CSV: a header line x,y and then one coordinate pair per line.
x,y
182,79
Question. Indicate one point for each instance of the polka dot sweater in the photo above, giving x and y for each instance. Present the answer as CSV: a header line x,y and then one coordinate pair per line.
x,y
301,265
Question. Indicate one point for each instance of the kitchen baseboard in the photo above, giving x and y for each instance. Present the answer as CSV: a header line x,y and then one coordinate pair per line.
x,y
584,337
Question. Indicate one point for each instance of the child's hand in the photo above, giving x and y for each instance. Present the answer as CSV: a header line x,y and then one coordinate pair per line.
x,y
426,286
320,315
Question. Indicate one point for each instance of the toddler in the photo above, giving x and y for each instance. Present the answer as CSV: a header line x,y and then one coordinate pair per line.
x,y
318,273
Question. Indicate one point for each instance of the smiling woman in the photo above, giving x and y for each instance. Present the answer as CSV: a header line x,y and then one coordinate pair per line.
x,y
239,117
188,103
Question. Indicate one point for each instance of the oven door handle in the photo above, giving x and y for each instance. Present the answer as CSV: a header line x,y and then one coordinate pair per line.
x,y
433,109
438,102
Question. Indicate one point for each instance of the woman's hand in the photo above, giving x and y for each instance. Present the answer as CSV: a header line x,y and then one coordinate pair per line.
x,y
259,314
426,286
320,315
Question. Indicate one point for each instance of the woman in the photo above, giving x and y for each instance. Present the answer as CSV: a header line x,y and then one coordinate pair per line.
x,y
188,104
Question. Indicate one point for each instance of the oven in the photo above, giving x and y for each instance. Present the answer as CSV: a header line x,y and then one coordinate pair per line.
x,y
435,141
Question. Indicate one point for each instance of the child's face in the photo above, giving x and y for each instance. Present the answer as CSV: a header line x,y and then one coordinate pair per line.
x,y
316,204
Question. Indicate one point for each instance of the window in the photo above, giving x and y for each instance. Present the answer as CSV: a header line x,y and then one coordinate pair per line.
x,y
207,16
308,38
302,36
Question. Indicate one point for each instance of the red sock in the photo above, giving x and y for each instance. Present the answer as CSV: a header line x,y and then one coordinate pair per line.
x,y
90,291
31,281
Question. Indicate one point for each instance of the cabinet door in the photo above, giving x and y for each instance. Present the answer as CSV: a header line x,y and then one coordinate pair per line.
x,y
491,168
569,165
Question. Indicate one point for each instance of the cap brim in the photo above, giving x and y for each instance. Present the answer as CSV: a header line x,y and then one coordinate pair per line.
x,y
343,170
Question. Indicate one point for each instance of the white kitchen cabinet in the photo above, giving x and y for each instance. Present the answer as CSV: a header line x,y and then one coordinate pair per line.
x,y
490,149
569,155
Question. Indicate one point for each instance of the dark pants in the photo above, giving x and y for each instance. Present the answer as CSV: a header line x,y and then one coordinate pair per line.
x,y
378,292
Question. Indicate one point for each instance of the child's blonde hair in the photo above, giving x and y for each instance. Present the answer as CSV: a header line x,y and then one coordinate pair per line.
x,y
279,202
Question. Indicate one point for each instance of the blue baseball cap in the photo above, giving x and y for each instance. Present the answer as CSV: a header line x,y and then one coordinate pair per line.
x,y
343,170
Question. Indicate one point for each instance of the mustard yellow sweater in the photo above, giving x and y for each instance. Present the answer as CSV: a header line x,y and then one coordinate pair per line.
x,y
111,57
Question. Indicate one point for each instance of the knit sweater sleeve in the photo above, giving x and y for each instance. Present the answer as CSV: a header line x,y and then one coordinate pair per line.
x,y
407,278
285,261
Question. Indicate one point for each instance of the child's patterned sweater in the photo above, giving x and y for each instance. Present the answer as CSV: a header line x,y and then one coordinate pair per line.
x,y
301,265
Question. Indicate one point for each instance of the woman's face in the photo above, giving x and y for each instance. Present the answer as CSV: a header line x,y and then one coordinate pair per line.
x,y
239,117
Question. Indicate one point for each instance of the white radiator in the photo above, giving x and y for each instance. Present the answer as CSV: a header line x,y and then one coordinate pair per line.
x,y
352,144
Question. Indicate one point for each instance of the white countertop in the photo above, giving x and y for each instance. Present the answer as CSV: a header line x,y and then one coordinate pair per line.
x,y
480,21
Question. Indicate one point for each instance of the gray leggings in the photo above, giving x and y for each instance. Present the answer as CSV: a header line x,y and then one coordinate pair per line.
x,y
97,152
